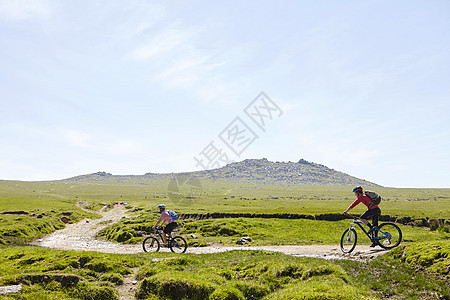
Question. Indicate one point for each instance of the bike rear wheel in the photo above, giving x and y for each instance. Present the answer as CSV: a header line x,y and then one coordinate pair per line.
x,y
348,240
178,245
151,244
389,235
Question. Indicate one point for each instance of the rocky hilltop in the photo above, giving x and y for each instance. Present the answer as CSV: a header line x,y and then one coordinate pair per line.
x,y
267,172
261,171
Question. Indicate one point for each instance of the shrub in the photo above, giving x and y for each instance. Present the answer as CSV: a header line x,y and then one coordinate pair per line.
x,y
319,271
192,243
64,279
124,236
434,257
444,228
182,261
173,287
112,277
83,260
227,293
434,225
290,271
252,290
317,290
99,266
85,290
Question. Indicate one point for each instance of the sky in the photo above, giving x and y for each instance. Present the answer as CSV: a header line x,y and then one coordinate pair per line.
x,y
131,87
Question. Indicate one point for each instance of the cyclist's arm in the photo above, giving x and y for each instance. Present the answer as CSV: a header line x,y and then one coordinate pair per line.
x,y
346,211
356,202
160,218
163,218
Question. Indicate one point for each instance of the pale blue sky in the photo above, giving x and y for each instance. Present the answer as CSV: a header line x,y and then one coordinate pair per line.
x,y
130,87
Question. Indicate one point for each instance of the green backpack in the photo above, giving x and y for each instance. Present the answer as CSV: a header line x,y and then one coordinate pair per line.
x,y
376,199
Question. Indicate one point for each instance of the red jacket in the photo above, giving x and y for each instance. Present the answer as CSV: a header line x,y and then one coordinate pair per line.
x,y
365,200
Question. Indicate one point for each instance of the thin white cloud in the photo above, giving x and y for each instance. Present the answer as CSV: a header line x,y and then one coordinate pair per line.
x,y
18,10
199,74
117,147
182,66
161,45
179,61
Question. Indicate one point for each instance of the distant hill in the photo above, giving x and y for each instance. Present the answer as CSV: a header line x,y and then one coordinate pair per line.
x,y
261,171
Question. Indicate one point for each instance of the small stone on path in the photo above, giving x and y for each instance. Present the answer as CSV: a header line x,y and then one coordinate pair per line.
x,y
10,289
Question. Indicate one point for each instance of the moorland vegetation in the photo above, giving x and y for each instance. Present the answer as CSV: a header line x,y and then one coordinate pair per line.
x,y
418,269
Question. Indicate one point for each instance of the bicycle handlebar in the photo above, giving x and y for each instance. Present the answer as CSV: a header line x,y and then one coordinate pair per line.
x,y
157,228
353,216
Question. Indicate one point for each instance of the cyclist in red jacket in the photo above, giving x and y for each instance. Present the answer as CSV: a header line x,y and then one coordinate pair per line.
x,y
373,212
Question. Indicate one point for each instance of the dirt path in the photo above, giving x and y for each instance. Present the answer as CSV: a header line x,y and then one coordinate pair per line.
x,y
82,236
128,288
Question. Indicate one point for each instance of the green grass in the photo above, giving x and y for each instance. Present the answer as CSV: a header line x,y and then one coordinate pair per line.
x,y
266,275
222,196
416,269
42,213
50,199
55,274
289,232
23,228
432,257
51,274
262,231
130,231
406,268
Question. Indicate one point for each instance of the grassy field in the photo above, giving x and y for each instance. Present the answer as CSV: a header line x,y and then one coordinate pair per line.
x,y
262,231
31,210
53,274
223,196
418,269
45,203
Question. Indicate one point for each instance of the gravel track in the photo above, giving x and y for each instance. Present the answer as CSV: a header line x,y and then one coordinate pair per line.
x,y
82,236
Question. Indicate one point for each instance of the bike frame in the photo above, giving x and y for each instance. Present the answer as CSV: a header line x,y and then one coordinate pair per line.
x,y
358,222
158,232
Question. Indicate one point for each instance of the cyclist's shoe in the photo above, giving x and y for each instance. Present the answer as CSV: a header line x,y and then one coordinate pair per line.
x,y
373,244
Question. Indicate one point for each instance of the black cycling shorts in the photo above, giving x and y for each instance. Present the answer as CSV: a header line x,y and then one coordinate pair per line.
x,y
171,226
373,213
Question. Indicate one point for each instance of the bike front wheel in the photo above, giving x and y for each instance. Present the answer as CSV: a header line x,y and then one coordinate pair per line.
x,y
151,244
388,235
348,240
178,245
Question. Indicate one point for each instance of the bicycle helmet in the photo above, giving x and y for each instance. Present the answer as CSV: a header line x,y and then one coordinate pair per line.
x,y
163,206
358,189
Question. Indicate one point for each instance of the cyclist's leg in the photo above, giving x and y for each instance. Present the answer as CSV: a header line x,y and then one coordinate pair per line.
x,y
375,220
365,218
164,238
370,214
168,230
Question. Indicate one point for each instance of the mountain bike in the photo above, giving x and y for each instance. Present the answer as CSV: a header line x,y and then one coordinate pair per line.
x,y
176,244
388,235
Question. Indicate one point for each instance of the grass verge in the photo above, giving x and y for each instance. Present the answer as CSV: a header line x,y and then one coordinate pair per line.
x,y
54,274
262,231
